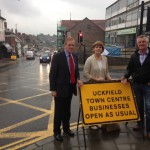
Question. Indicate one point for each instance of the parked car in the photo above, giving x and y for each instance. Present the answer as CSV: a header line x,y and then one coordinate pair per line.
x,y
30,55
44,58
55,52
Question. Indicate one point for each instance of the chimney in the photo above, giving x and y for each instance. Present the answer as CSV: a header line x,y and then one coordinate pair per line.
x,y
5,25
16,29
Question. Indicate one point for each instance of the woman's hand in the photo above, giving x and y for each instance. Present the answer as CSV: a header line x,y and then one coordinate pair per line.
x,y
100,79
54,93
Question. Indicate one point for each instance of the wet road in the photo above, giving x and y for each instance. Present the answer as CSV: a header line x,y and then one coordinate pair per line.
x,y
25,103
26,106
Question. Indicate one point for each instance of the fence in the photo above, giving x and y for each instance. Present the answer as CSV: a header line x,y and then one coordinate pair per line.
x,y
120,52
114,49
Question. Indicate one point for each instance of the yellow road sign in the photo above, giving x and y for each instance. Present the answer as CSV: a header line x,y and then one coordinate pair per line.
x,y
13,57
108,102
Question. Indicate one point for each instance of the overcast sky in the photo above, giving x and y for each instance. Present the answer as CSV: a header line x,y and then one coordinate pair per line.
x,y
41,16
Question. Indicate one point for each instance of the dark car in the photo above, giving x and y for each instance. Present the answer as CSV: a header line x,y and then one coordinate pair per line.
x,y
44,58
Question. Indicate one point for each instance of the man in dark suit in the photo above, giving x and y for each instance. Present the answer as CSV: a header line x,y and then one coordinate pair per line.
x,y
64,75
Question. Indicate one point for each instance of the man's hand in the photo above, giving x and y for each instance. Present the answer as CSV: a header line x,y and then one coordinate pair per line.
x,y
123,80
79,83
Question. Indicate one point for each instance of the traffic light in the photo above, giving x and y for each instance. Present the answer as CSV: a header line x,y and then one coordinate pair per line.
x,y
148,20
80,37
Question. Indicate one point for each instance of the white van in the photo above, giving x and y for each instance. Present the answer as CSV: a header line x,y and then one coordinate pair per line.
x,y
30,55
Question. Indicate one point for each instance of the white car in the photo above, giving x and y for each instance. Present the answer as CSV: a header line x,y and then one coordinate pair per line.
x,y
30,55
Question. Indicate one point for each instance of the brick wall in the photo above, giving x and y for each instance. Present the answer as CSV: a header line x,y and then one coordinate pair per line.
x,y
117,61
91,34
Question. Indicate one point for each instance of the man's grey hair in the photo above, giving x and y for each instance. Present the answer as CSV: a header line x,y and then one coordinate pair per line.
x,y
143,36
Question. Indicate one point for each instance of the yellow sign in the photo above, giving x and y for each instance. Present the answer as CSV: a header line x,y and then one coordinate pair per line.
x,y
13,57
108,102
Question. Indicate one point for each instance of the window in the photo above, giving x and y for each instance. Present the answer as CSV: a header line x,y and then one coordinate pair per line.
x,y
121,18
132,15
131,1
114,21
108,11
108,23
115,8
122,4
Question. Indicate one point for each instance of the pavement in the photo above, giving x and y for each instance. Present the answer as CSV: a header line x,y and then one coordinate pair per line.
x,y
89,139
125,139
6,62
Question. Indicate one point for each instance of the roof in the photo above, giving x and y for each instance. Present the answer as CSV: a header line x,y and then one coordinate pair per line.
x,y
2,18
100,23
13,36
71,23
8,47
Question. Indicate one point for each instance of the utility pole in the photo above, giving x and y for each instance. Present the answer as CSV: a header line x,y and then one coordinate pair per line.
x,y
141,18
148,20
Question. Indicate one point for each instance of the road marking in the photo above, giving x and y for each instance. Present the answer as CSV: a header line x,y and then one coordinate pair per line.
x,y
22,134
14,143
9,101
33,62
36,88
23,123
3,83
27,87
9,90
27,105
29,137
50,123
24,142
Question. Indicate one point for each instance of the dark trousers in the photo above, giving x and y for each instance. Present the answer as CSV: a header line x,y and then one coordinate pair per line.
x,y
62,113
142,93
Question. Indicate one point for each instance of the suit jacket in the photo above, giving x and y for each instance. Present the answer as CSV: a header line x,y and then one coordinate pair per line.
x,y
60,75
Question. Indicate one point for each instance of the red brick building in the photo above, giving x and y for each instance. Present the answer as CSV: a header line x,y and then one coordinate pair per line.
x,y
92,30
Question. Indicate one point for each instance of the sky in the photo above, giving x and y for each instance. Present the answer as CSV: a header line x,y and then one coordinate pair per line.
x,y
41,16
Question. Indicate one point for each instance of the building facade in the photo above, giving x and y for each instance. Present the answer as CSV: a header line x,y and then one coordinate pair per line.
x,y
2,29
123,22
92,31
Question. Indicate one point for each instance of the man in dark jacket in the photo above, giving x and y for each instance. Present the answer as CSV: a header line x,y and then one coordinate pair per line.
x,y
139,69
64,75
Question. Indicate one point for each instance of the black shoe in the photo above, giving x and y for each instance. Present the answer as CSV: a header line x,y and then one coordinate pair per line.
x,y
58,137
136,128
69,133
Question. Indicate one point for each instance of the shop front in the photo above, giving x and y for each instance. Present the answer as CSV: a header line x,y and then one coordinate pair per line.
x,y
5,50
127,36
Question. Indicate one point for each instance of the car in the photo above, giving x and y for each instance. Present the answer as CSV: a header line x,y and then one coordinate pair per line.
x,y
30,55
44,58
53,53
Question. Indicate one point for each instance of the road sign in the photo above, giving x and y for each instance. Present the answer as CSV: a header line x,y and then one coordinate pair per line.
x,y
108,102
13,57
